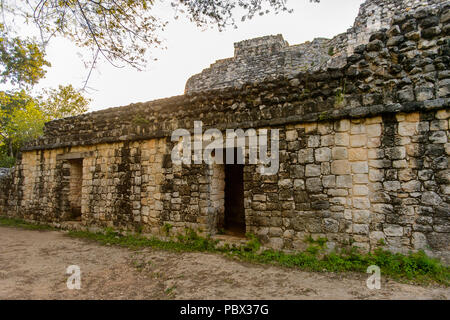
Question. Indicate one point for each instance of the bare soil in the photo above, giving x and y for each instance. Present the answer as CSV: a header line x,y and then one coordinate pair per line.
x,y
33,266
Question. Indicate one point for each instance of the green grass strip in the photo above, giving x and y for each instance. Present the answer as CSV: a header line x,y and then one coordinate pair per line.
x,y
415,267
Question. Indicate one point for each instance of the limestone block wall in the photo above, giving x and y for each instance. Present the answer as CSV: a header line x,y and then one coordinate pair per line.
x,y
377,14
260,59
358,181
119,185
353,181
364,153
266,57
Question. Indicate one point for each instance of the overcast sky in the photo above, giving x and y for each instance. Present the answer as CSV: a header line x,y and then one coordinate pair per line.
x,y
190,50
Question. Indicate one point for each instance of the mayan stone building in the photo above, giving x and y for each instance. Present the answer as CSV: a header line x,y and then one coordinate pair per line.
x,y
364,144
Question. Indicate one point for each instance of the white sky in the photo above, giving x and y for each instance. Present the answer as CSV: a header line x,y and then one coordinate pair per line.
x,y
190,50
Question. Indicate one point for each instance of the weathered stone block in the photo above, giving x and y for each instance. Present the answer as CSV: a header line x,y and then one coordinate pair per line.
x,y
419,241
306,156
407,128
338,192
438,137
376,175
437,125
376,236
323,154
443,114
291,135
374,130
259,197
340,167
395,153
312,170
393,230
329,181
330,225
360,190
342,125
360,167
361,216
327,140
360,178
344,181
356,154
361,203
313,141
362,229
431,198
340,153
314,184
411,186
342,139
359,140
391,185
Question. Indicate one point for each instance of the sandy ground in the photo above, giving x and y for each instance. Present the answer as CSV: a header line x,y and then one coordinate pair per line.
x,y
33,266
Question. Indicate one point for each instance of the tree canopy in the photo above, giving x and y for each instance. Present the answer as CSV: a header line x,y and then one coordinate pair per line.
x,y
21,120
22,117
63,102
122,31
22,60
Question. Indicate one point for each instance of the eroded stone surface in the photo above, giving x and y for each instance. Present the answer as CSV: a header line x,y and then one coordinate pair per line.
x,y
360,160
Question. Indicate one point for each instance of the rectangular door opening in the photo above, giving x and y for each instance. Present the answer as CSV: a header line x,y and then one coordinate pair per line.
x,y
234,219
76,182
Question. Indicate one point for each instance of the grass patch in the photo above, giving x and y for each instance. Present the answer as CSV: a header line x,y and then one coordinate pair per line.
x,y
415,267
331,51
11,222
191,241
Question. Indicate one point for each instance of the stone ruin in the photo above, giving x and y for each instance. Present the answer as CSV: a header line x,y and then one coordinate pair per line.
x,y
364,145
271,57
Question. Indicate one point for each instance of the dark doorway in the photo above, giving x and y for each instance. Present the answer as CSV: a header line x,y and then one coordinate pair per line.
x,y
234,199
76,182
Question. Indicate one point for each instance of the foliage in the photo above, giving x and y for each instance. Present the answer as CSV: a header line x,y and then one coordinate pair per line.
x,y
22,117
139,120
18,223
21,120
64,102
415,267
166,228
331,51
22,61
121,31
340,95
6,161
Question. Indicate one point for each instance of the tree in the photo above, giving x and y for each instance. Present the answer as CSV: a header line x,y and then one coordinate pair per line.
x,y
63,102
22,117
21,120
22,61
121,31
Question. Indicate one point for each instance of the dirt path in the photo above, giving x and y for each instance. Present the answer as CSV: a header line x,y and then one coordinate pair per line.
x,y
33,266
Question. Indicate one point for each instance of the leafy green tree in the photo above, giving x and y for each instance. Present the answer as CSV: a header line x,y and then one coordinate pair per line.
x,y
121,31
21,120
22,61
22,117
64,102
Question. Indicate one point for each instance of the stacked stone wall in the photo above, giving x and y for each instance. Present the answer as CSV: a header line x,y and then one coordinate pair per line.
x,y
364,153
269,57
